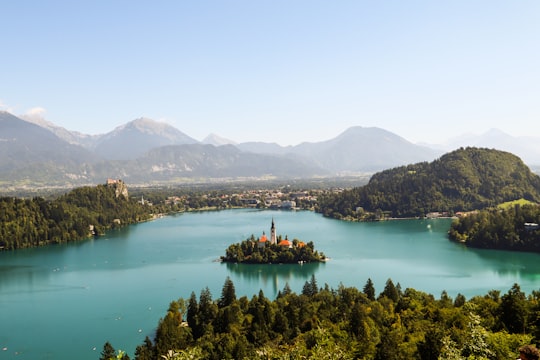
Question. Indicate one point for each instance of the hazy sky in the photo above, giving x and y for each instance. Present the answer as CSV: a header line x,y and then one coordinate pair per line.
x,y
270,70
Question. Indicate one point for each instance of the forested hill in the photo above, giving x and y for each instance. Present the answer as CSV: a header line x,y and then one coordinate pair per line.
x,y
462,180
343,323
76,215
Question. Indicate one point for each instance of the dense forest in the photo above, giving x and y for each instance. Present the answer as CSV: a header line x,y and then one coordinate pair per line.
x,y
511,228
462,180
250,251
344,323
81,213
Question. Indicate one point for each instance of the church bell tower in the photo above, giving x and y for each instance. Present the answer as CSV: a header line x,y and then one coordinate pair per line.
x,y
273,238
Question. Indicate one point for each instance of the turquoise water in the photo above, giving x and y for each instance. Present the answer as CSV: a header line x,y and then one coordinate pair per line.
x,y
64,302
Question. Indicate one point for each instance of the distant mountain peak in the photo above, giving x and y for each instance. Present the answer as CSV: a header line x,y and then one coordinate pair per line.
x,y
496,134
25,144
139,136
40,121
367,131
148,126
495,131
216,140
527,148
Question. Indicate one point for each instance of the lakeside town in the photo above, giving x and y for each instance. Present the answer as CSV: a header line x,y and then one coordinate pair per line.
x,y
263,198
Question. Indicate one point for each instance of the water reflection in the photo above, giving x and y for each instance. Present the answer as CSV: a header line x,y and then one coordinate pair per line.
x,y
275,274
518,264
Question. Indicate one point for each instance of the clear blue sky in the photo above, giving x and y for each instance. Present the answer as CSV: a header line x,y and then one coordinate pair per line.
x,y
271,70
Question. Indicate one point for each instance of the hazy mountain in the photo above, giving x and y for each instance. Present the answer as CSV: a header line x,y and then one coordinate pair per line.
x,y
135,138
216,140
527,148
176,162
148,151
23,144
35,156
72,137
365,149
264,148
358,149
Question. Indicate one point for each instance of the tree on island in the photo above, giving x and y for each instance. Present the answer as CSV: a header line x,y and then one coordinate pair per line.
x,y
250,252
272,250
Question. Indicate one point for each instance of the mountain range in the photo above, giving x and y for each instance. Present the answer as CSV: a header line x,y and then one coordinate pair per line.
x,y
144,151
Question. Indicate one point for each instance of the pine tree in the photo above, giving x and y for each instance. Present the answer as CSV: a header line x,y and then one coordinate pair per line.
x,y
369,290
146,351
287,289
193,316
108,352
390,291
208,311
513,310
310,287
228,294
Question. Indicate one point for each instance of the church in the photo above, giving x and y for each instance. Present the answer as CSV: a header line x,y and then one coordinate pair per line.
x,y
273,238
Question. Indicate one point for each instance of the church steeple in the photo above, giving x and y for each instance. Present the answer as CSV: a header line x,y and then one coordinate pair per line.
x,y
273,238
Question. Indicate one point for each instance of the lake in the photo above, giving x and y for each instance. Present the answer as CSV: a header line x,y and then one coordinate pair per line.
x,y
64,302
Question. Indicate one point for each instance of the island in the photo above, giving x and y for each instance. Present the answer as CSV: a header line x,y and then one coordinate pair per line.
x,y
273,250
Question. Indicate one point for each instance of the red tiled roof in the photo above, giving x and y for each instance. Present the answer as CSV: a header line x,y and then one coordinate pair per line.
x,y
263,238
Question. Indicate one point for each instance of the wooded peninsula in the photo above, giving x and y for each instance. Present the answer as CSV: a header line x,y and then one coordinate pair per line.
x,y
512,227
79,214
